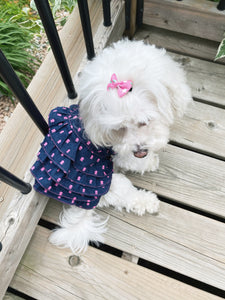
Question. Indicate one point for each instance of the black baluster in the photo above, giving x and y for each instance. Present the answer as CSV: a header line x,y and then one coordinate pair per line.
x,y
47,19
221,5
127,13
140,10
86,25
14,181
11,79
106,13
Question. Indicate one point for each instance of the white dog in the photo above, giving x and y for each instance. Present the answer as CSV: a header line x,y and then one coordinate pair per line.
x,y
134,123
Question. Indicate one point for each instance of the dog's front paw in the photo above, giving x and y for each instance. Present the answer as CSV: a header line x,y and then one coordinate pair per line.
x,y
145,202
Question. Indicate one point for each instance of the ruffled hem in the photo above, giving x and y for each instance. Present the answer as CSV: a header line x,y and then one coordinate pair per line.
x,y
69,167
88,203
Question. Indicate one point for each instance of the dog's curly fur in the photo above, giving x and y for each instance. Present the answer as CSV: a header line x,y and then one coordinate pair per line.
x,y
136,126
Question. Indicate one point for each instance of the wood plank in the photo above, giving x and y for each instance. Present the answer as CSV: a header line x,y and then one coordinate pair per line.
x,y
10,296
189,178
19,140
176,239
202,128
98,276
129,257
206,79
179,42
198,18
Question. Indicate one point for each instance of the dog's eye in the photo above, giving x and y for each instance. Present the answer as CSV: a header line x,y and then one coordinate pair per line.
x,y
141,124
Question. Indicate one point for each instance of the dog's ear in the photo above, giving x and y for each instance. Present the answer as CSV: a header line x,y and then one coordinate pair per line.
x,y
160,96
180,95
178,90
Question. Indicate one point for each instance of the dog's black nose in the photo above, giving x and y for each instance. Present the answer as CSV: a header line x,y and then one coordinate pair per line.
x,y
141,153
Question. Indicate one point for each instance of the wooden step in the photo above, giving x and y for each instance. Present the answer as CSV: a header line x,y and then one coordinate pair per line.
x,y
188,178
179,42
46,272
176,239
194,17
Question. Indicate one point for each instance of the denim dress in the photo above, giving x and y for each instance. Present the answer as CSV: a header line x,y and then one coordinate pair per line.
x,y
69,168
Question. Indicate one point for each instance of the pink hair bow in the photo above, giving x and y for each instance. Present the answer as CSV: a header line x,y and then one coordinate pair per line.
x,y
123,87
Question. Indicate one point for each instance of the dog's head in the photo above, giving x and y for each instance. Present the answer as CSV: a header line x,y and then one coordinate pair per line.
x,y
138,122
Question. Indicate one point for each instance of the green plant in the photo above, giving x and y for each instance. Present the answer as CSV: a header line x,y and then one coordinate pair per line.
x,y
20,12
15,42
57,5
19,23
221,50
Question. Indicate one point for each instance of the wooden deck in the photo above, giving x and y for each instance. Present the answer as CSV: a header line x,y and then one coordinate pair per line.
x,y
178,253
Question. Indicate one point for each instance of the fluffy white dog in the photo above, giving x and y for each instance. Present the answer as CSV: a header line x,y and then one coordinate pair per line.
x,y
134,123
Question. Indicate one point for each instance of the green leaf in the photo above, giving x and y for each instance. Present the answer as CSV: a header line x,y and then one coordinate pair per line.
x,y
221,50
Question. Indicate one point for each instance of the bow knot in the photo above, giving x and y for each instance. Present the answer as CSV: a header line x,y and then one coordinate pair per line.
x,y
123,87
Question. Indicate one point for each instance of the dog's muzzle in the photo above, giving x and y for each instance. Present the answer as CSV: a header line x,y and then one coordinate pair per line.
x,y
140,153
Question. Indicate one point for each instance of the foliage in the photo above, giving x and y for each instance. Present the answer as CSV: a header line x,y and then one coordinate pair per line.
x,y
57,5
19,23
221,50
14,42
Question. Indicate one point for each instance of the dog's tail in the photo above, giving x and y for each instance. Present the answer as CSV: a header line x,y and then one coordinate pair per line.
x,y
78,228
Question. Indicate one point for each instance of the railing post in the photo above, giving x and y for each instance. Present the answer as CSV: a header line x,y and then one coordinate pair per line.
x,y
14,181
131,17
140,10
221,5
47,19
106,13
11,79
86,25
127,14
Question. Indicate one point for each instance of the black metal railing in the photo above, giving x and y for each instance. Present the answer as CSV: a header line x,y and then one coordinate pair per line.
x,y
11,79
221,5
47,19
14,181
86,26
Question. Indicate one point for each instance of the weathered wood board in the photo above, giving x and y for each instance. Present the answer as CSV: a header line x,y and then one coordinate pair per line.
x,y
10,296
98,276
175,238
201,129
179,43
189,178
206,79
198,18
